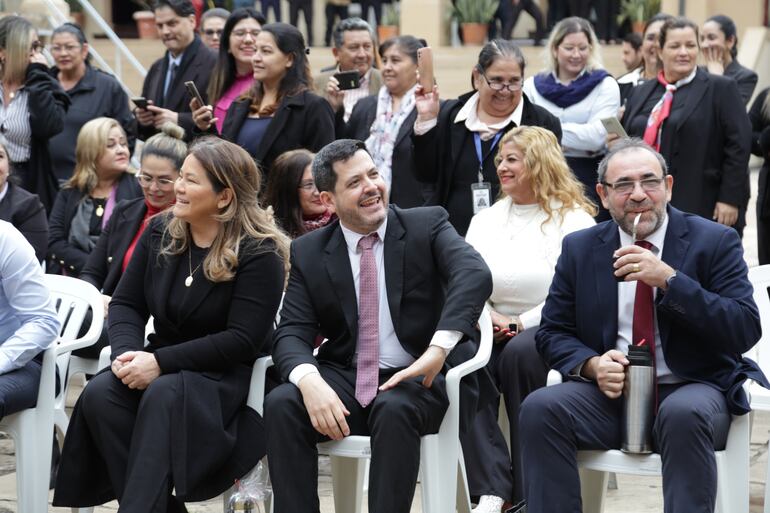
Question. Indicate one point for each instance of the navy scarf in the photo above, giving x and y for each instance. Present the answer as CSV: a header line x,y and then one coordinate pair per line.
x,y
567,96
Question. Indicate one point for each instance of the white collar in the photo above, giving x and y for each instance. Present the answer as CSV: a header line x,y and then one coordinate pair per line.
x,y
352,238
468,115
4,191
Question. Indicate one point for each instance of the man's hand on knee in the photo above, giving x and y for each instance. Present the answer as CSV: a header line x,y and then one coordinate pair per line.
x,y
326,410
428,365
609,372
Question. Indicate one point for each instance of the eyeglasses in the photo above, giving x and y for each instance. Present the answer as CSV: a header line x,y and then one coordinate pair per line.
x,y
628,186
240,34
146,181
497,85
65,49
36,46
213,32
571,49
308,186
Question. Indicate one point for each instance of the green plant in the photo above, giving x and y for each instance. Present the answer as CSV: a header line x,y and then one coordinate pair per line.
x,y
638,10
390,14
474,11
74,6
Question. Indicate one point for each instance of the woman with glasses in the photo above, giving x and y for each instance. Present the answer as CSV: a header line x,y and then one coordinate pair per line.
x,y
455,141
580,93
698,122
279,112
93,94
88,199
233,74
162,157
212,26
32,108
294,197
384,121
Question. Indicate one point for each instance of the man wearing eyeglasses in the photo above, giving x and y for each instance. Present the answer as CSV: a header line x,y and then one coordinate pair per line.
x,y
673,281
212,25
186,59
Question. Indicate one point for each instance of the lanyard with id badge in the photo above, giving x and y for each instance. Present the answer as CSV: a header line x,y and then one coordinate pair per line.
x,y
481,191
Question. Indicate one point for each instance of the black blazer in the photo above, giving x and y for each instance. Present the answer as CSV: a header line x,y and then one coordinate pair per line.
x,y
217,438
104,266
197,63
434,280
24,211
405,190
745,78
301,121
707,318
61,254
707,149
447,148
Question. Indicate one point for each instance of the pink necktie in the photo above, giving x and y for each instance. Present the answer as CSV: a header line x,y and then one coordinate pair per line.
x,y
368,361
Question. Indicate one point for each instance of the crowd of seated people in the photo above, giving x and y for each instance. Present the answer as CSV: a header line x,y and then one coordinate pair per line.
x,y
377,220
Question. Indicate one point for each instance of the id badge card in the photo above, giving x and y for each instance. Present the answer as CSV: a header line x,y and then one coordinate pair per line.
x,y
481,193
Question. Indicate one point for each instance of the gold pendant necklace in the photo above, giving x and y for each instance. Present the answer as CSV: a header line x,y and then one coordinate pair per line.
x,y
188,281
99,211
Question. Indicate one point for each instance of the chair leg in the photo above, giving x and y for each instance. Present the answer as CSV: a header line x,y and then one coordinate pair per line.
x,y
463,493
593,485
733,469
439,480
348,480
767,482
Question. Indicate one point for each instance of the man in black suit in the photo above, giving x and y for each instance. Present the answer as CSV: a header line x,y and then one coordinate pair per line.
x,y
186,58
394,292
684,291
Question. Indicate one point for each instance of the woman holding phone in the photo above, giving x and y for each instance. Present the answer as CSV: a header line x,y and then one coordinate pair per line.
x,y
384,121
279,112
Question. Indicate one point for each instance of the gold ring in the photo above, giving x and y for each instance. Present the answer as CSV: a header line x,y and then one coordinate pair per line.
x,y
636,268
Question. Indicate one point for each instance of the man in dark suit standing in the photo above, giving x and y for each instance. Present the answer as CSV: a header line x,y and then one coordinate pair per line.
x,y
684,290
186,59
395,292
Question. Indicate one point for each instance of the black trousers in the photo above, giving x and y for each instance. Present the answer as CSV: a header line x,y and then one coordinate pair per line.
x,y
395,420
132,431
518,370
18,388
306,6
763,215
530,7
275,5
374,4
332,12
556,421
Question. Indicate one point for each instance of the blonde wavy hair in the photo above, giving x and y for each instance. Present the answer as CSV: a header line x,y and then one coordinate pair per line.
x,y
16,39
549,175
564,28
245,224
91,144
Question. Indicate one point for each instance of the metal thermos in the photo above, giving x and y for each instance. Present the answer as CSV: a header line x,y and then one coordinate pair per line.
x,y
638,401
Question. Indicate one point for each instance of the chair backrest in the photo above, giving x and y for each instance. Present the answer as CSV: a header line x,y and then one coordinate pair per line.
x,y
760,280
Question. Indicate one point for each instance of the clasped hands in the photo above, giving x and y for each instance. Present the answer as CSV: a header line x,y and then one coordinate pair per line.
x,y
327,411
634,263
136,369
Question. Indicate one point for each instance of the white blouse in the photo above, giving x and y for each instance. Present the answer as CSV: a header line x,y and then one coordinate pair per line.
x,y
521,253
583,134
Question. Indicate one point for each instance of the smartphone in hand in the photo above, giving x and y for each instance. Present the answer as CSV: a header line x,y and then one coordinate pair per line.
x,y
192,90
425,67
348,80
140,102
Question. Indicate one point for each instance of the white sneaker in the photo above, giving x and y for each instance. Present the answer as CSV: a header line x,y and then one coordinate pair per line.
x,y
489,504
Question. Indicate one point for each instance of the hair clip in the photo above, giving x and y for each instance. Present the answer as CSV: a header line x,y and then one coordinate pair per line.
x,y
307,50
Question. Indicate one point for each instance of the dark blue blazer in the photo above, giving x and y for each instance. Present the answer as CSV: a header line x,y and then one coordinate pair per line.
x,y
707,318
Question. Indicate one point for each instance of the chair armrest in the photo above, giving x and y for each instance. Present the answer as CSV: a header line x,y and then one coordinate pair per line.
x,y
256,397
481,358
554,378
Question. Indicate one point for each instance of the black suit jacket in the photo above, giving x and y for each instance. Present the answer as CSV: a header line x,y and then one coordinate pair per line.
x,y
707,150
405,190
304,120
707,318
434,281
62,254
440,153
25,211
197,64
745,78
104,266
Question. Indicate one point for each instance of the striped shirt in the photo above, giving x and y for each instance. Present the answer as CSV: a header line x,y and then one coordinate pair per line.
x,y
14,125
353,95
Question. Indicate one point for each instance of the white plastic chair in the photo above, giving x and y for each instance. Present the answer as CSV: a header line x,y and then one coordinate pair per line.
x,y
732,467
760,397
442,469
32,429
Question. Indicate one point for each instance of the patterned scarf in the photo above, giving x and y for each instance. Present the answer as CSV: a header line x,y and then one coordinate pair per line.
x,y
317,222
662,109
384,130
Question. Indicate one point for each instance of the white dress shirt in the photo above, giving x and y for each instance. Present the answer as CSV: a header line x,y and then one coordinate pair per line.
x,y
583,134
521,250
392,353
28,321
626,299
468,115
